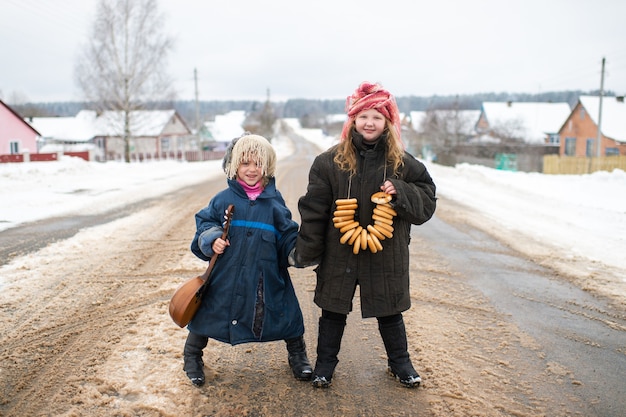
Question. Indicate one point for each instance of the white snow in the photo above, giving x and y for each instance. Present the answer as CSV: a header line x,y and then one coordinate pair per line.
x,y
613,115
584,215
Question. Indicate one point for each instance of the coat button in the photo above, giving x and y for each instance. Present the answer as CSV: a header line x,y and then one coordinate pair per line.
x,y
234,322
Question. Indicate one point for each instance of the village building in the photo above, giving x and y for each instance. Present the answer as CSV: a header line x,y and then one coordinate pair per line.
x,y
154,134
16,135
579,132
527,122
67,134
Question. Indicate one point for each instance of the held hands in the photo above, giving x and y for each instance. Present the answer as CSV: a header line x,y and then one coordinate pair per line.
x,y
219,245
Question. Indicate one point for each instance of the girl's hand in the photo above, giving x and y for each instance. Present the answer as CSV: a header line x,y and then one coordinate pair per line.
x,y
219,245
388,187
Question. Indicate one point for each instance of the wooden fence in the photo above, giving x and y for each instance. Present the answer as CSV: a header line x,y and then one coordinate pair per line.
x,y
578,165
189,156
41,157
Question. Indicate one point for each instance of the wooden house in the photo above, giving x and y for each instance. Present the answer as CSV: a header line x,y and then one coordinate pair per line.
x,y
579,133
154,134
16,135
67,134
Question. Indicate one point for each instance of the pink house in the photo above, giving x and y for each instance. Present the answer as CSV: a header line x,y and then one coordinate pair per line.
x,y
16,136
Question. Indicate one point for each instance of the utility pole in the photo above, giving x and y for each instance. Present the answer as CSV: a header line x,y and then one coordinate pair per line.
x,y
599,138
195,78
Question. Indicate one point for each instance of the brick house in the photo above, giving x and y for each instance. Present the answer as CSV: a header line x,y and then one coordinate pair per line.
x,y
579,133
16,135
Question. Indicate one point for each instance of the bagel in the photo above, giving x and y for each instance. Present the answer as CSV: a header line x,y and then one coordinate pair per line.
x,y
384,231
340,225
347,227
342,219
343,201
357,246
342,213
383,213
375,232
381,198
355,235
382,225
379,246
370,244
363,239
387,208
346,236
382,219
348,206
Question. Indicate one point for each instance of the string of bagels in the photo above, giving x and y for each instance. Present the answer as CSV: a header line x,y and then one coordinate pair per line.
x,y
370,236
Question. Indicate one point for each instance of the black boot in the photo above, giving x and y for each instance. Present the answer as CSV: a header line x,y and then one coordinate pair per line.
x,y
328,345
192,354
298,361
399,364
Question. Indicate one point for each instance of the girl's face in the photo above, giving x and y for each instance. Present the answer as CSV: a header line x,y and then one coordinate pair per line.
x,y
370,123
250,172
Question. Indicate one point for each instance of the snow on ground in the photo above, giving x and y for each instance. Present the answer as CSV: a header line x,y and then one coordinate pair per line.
x,y
583,215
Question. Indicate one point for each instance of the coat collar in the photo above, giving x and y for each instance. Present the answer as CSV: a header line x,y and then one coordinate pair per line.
x,y
268,192
360,145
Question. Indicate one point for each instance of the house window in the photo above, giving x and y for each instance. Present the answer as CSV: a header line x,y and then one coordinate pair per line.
x,y
14,147
582,113
165,144
611,152
555,139
590,150
570,146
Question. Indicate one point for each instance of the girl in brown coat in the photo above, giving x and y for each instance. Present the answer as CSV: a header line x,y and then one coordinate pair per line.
x,y
362,198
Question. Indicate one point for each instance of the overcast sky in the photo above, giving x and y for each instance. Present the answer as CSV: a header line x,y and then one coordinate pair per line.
x,y
325,48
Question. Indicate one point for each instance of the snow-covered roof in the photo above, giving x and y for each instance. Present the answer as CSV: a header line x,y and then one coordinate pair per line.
x,y
142,122
529,121
79,128
87,124
613,115
228,126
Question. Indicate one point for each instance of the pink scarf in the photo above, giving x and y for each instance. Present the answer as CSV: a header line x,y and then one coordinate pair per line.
x,y
252,191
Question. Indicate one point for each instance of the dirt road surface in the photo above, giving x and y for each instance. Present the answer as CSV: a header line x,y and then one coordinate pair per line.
x,y
85,329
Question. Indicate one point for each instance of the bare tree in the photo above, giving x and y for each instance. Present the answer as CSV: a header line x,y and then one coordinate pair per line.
x,y
121,67
261,121
509,131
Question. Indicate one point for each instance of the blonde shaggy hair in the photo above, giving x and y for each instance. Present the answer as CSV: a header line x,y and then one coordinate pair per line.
x,y
251,148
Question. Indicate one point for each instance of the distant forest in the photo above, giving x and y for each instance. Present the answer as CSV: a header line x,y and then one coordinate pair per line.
x,y
302,108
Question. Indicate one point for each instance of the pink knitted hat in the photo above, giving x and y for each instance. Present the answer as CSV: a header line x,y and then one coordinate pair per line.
x,y
371,96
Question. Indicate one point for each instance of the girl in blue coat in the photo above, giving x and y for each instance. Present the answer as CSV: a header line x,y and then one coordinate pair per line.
x,y
250,296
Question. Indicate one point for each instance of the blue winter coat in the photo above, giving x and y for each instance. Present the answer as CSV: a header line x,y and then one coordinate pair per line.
x,y
250,297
